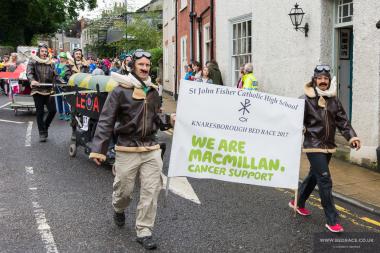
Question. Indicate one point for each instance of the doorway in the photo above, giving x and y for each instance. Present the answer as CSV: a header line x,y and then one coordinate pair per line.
x,y
344,81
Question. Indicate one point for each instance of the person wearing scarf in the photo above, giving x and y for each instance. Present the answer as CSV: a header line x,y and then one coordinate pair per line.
x,y
131,112
323,114
78,64
40,69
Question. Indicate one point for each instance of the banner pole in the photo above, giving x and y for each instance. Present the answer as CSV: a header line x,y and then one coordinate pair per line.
x,y
295,201
166,190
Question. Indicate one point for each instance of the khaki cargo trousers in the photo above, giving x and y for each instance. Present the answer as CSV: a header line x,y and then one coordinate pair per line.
x,y
149,166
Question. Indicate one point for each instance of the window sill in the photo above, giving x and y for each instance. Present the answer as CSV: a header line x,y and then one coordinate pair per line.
x,y
183,8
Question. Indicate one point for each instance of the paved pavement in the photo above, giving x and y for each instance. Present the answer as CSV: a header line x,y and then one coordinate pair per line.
x,y
352,183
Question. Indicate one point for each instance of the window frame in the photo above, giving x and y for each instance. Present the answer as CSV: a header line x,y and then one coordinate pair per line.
x,y
183,55
206,43
240,35
339,10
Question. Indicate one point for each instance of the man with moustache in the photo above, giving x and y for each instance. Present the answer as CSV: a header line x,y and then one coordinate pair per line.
x,y
134,106
40,70
323,114
78,64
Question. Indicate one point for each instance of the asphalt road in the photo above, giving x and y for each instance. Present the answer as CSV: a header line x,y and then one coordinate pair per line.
x,y
50,202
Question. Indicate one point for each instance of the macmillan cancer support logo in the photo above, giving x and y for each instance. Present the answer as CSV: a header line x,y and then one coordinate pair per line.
x,y
244,110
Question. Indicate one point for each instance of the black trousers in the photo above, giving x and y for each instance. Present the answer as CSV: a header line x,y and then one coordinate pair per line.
x,y
319,175
40,101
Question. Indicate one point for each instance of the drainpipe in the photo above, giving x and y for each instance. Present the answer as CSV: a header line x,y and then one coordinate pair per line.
x,y
212,28
199,20
192,14
176,53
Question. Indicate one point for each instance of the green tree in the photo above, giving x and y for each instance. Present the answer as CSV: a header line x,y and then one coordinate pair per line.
x,y
142,32
22,19
157,54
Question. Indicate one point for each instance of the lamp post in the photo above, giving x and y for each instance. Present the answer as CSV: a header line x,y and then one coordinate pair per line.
x,y
70,47
296,15
126,23
56,47
63,42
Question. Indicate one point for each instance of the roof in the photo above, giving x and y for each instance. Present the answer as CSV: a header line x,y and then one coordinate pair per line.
x,y
153,5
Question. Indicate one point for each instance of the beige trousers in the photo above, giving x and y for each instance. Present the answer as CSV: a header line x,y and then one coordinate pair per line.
x,y
149,166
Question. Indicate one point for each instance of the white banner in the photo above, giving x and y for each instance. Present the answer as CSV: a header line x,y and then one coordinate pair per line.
x,y
237,135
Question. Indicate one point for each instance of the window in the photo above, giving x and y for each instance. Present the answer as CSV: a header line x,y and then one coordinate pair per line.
x,y
241,46
183,4
207,43
183,55
344,11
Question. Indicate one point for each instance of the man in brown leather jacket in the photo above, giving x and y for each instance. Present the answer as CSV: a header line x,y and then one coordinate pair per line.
x,y
40,70
135,106
323,114
77,62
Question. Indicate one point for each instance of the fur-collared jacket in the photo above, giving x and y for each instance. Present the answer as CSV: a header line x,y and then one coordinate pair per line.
x,y
135,106
41,71
81,66
323,114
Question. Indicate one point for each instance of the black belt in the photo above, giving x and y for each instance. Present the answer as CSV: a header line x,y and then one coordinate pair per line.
x,y
140,138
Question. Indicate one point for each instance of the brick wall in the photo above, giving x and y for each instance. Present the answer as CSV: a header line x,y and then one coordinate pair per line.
x,y
184,30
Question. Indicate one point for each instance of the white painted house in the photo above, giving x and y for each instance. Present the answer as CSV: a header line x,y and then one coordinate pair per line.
x,y
342,33
169,43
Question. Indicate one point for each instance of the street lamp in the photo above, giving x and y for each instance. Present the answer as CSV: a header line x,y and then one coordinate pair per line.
x,y
63,43
126,24
56,47
296,16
